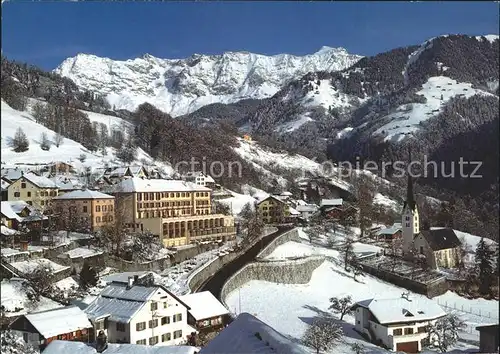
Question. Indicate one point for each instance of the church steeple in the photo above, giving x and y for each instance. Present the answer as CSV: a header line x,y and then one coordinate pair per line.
x,y
410,198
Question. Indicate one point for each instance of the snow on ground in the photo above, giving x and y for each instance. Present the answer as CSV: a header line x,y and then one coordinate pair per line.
x,y
472,240
238,201
63,347
67,284
69,151
83,252
15,301
31,265
326,96
407,117
381,199
289,308
294,124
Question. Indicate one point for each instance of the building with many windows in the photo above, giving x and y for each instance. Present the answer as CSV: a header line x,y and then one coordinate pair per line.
x,y
179,212
91,208
34,190
139,314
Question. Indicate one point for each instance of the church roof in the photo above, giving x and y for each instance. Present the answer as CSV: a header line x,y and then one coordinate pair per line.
x,y
441,239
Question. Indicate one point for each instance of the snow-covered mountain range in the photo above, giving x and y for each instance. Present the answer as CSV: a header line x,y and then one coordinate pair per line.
x,y
180,86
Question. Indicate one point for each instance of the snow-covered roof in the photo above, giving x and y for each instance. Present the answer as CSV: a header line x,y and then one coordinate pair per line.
x,y
390,230
12,174
331,202
10,209
84,194
135,293
116,309
393,310
8,232
83,252
136,184
29,266
64,347
59,321
286,194
123,277
240,337
306,208
39,181
204,305
293,211
6,251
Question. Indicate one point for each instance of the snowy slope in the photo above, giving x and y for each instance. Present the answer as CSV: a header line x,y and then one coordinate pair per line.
x,y
438,91
69,151
180,86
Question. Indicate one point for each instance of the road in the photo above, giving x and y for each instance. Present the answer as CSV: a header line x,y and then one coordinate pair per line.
x,y
215,283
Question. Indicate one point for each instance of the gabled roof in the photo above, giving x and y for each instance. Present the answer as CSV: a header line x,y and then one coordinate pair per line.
x,y
204,305
120,302
11,209
275,197
400,310
84,194
306,208
11,174
5,184
59,321
390,230
241,337
441,239
39,181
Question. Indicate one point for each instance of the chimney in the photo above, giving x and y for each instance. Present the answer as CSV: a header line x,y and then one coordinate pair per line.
x,y
136,278
130,282
24,245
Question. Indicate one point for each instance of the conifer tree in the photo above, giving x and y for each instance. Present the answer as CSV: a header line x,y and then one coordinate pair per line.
x,y
484,266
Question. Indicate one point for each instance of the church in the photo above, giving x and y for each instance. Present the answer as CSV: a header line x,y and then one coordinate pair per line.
x,y
440,246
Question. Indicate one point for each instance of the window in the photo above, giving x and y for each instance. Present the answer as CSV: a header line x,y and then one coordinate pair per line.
x,y
421,250
153,323
397,332
422,329
120,327
177,334
104,208
98,219
98,208
23,185
85,209
153,340
29,194
154,306
99,325
408,331
141,326
407,224
165,320
165,337
142,341
165,304
17,194
178,317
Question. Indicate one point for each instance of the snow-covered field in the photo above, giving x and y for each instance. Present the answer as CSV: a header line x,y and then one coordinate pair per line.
x,y
238,200
15,301
386,202
68,151
289,308
438,91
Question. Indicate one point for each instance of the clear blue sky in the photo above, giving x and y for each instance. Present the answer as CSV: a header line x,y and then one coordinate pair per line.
x,y
45,33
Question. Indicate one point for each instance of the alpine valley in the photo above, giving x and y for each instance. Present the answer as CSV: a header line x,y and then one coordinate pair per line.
x,y
440,98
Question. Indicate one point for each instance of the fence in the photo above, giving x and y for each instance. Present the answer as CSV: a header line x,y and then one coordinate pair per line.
x,y
469,310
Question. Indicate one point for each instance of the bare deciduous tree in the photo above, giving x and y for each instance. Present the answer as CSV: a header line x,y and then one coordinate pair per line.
x,y
322,335
444,332
342,306
58,139
44,142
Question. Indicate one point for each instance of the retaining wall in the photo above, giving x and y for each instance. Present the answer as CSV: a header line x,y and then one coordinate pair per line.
x,y
209,269
297,271
292,235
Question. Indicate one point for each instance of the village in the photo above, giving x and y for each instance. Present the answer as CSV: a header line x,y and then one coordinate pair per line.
x,y
118,260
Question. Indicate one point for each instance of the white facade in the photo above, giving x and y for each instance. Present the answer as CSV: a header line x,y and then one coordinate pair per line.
x,y
410,227
390,322
160,319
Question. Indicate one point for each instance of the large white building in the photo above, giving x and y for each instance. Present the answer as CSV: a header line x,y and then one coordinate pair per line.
x,y
139,314
400,324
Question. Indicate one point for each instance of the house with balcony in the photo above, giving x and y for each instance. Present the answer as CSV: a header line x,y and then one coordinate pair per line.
x,y
139,312
276,210
206,313
178,212
21,216
399,324
65,323
89,209
34,190
200,179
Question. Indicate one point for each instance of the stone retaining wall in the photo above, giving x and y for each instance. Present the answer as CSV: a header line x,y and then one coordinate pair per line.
x,y
292,235
209,269
297,271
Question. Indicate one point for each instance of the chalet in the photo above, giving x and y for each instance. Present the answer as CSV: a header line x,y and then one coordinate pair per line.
x,y
307,211
60,167
400,324
35,190
200,179
206,313
488,338
337,209
17,215
41,328
247,334
441,247
120,173
138,312
390,233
